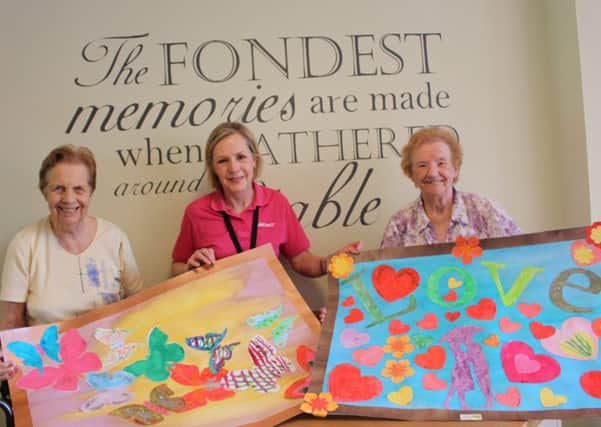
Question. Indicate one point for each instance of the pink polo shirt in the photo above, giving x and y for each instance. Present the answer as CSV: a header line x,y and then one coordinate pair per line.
x,y
203,226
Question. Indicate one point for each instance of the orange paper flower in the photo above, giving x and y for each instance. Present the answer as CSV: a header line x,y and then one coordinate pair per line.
x,y
397,370
466,249
341,266
593,234
398,346
318,405
583,255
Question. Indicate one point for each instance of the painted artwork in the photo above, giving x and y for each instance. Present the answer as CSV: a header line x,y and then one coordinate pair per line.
x,y
499,329
232,345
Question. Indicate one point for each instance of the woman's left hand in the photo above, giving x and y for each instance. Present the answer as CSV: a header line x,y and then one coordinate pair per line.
x,y
351,248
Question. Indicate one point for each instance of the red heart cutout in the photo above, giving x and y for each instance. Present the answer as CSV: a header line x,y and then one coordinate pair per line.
x,y
305,356
434,358
431,382
393,285
354,316
511,397
521,365
541,331
298,388
396,327
349,301
529,310
430,321
591,383
484,310
452,315
451,296
596,326
347,385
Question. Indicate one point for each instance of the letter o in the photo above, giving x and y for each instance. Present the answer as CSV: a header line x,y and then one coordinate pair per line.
x,y
469,287
235,59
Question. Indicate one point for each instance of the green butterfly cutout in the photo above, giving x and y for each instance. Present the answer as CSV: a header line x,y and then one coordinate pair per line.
x,y
421,341
160,358
281,327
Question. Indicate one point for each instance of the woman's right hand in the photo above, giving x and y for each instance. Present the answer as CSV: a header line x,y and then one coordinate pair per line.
x,y
7,369
202,256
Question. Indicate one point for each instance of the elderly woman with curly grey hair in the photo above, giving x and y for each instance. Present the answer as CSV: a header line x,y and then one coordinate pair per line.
x,y
432,160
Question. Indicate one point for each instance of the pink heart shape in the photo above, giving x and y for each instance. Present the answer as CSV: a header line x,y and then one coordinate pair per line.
x,y
517,359
430,381
368,357
511,397
507,326
529,310
524,364
574,329
351,338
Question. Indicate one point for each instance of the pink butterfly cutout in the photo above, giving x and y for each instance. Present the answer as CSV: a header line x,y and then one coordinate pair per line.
x,y
65,377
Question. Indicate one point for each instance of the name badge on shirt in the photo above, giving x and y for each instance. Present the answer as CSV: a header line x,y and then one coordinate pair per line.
x,y
267,224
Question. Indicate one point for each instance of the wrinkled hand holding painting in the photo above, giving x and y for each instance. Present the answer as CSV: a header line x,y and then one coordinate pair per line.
x,y
499,329
228,346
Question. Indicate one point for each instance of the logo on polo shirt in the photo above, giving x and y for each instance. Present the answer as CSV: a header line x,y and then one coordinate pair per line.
x,y
266,224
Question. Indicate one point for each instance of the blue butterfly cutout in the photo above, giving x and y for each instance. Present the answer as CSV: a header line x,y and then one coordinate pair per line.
x,y
106,381
211,342
31,355
206,342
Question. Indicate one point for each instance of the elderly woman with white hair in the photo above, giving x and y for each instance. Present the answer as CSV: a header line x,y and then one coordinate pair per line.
x,y
432,160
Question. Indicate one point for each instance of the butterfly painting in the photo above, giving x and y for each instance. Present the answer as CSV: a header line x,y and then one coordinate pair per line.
x,y
281,327
75,362
107,381
118,349
159,360
263,376
211,342
206,342
162,402
31,355
106,398
305,358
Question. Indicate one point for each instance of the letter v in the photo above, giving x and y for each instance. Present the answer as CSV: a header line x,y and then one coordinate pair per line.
x,y
510,297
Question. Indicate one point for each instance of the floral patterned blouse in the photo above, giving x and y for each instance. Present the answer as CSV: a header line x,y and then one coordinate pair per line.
x,y
472,215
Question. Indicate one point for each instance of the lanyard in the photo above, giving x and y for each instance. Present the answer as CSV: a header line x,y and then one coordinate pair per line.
x,y
230,230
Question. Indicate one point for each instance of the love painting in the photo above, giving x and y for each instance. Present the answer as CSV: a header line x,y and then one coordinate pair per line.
x,y
232,345
498,329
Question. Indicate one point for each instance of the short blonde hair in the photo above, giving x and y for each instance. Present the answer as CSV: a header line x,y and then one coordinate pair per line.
x,y
425,136
68,154
221,131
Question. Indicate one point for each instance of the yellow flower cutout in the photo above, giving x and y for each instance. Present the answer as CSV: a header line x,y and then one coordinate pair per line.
x,y
583,255
593,234
341,265
397,370
318,405
398,346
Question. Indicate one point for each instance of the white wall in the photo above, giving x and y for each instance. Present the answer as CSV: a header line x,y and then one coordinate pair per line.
x,y
567,116
588,13
496,61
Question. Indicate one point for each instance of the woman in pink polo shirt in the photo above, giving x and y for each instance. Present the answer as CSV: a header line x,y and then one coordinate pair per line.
x,y
241,214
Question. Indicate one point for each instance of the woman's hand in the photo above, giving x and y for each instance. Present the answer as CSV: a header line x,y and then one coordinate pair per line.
x,y
351,248
203,256
7,369
200,257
